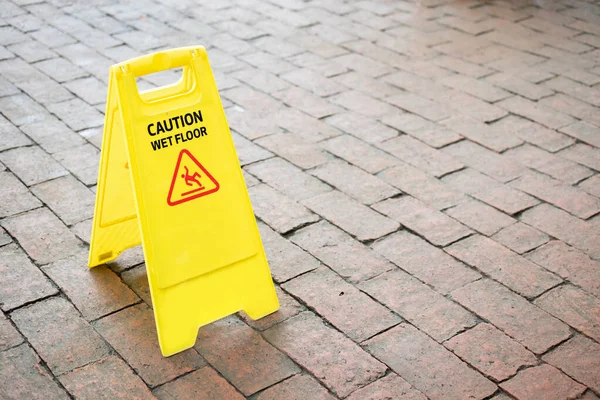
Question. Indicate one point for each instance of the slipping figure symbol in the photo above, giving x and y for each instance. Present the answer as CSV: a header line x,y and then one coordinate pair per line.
x,y
191,178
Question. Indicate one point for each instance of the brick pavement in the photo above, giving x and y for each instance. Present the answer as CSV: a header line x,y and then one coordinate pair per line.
x,y
425,175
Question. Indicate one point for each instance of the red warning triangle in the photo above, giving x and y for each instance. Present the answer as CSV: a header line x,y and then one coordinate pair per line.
x,y
190,180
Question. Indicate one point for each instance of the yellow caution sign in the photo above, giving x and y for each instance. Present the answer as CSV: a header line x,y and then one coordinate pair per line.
x,y
170,179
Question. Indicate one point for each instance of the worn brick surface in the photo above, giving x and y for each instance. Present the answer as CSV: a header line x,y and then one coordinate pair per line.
x,y
432,224
578,358
60,335
352,216
437,373
106,379
43,236
204,383
491,351
520,237
132,333
508,268
348,309
437,162
389,387
94,292
426,262
245,359
21,281
532,327
334,359
348,257
543,382
298,387
416,302
23,376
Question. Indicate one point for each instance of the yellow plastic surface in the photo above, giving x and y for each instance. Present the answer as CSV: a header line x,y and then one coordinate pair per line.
x,y
181,193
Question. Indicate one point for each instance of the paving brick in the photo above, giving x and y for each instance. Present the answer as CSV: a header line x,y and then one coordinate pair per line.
x,y
435,135
285,259
362,104
204,383
548,163
14,198
362,64
309,128
348,309
571,106
297,387
561,195
261,80
363,83
424,261
22,282
420,305
421,106
422,186
436,372
23,376
489,191
313,82
463,103
547,139
95,292
579,234
490,163
578,358
353,217
106,379
491,351
583,131
296,150
519,86
520,237
32,165
327,354
591,185
583,154
279,211
355,182
536,112
419,155
9,336
573,306
359,153
579,91
529,325
435,226
52,135
68,198
475,87
42,235
542,382
59,335
77,114
132,333
21,109
89,89
480,217
461,66
362,127
510,269
307,102
288,179
348,257
389,387
244,358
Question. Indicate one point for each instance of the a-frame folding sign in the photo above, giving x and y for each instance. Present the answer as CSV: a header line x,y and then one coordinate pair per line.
x,y
170,179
